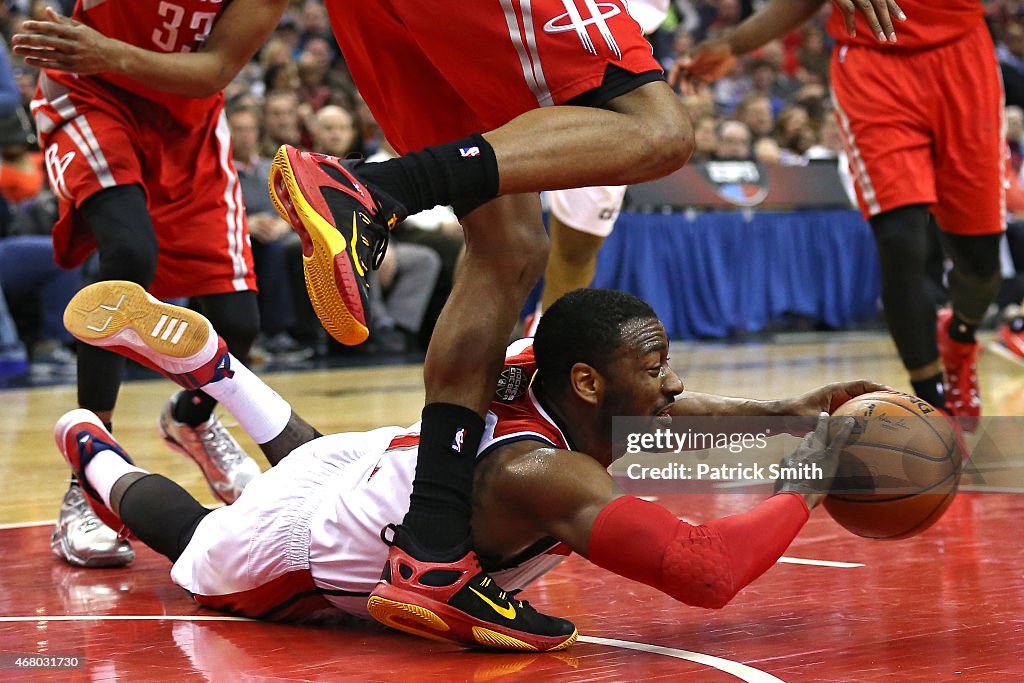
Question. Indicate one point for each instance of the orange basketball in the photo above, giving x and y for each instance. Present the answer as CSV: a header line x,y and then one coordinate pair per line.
x,y
899,470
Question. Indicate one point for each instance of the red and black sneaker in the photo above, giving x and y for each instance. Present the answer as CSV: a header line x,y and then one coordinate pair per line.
x,y
344,227
80,436
175,341
960,374
457,602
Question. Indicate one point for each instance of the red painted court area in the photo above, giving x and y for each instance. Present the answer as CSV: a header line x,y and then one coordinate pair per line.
x,y
945,606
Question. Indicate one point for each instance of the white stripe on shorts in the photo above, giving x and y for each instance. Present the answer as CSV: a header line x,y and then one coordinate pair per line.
x,y
232,197
526,48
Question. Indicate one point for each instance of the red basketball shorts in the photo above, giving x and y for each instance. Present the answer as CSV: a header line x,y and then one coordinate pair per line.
x,y
926,127
433,71
94,139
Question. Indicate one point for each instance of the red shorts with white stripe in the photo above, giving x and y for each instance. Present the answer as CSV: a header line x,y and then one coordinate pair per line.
x,y
925,127
96,136
433,71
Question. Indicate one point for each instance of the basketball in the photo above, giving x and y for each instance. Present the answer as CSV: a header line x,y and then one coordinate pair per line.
x,y
899,470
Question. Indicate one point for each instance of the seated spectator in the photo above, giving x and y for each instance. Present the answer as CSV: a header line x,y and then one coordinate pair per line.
x,y
756,111
733,141
705,138
767,151
270,235
281,121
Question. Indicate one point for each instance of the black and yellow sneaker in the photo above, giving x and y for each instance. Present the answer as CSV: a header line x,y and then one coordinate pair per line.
x,y
344,228
457,602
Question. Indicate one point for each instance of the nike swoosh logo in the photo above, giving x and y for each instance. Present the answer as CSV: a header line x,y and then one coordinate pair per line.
x,y
355,257
507,612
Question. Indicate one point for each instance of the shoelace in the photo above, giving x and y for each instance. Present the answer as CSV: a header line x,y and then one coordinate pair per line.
x,y
218,438
85,513
379,238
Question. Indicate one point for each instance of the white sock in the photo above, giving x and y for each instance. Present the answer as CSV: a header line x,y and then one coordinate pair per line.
x,y
103,471
260,410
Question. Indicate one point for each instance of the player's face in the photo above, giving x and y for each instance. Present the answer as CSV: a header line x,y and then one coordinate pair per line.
x,y
640,380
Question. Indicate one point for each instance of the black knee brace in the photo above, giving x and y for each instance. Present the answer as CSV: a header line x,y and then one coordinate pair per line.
x,y
125,239
976,277
902,240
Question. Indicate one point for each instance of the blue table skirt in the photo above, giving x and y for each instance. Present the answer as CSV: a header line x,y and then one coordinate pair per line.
x,y
717,274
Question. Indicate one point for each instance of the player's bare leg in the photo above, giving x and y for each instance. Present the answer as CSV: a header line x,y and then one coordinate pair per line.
x,y
571,263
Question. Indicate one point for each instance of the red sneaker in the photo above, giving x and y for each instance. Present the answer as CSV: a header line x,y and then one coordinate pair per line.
x,y
960,370
468,608
80,436
178,342
1011,337
344,231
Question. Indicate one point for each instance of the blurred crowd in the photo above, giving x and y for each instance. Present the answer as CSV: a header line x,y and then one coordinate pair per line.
x,y
773,108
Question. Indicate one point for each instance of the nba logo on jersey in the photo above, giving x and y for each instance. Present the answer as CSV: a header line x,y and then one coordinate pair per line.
x,y
469,151
460,435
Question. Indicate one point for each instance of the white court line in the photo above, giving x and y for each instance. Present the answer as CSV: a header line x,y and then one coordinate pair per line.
x,y
740,671
982,488
24,525
818,563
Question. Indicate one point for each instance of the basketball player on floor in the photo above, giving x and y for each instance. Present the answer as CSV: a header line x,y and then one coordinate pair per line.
x,y
580,219
921,116
622,125
303,537
144,176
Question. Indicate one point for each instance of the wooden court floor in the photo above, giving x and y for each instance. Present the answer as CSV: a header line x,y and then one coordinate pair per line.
x,y
947,605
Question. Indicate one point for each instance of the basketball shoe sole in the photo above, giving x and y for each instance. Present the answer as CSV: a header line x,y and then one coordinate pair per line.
x,y
336,276
121,316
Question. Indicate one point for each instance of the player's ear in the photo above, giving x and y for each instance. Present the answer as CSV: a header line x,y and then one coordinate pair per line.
x,y
587,383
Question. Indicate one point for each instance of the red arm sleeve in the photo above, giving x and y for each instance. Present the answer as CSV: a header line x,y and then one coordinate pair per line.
x,y
704,565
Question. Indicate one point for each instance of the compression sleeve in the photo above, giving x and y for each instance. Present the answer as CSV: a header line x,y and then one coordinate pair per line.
x,y
704,565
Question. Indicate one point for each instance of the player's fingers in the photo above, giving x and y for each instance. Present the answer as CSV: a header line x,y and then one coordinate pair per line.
x,y
868,10
849,15
884,19
821,429
843,435
897,11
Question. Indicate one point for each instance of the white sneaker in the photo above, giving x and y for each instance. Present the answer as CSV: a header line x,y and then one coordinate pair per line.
x,y
226,466
81,539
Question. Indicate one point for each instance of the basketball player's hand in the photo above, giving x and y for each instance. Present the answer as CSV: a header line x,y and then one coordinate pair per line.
x,y
710,61
63,44
824,399
809,469
878,13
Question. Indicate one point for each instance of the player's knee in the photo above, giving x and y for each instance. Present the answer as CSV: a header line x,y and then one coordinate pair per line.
x,y
129,259
236,318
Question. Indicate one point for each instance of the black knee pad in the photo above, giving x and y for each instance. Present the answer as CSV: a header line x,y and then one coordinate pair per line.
x,y
235,316
125,239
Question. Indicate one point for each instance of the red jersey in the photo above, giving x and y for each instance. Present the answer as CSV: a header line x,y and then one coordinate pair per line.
x,y
929,23
157,25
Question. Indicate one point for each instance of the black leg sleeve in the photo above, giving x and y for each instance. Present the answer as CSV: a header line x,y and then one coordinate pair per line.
x,y
161,514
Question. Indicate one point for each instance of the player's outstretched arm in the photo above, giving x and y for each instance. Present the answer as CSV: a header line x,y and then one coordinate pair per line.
x,y
63,44
822,399
571,497
713,59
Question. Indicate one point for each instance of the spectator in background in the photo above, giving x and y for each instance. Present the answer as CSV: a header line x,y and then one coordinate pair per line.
x,y
281,122
733,141
794,134
705,138
756,111
270,235
767,151
1010,50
